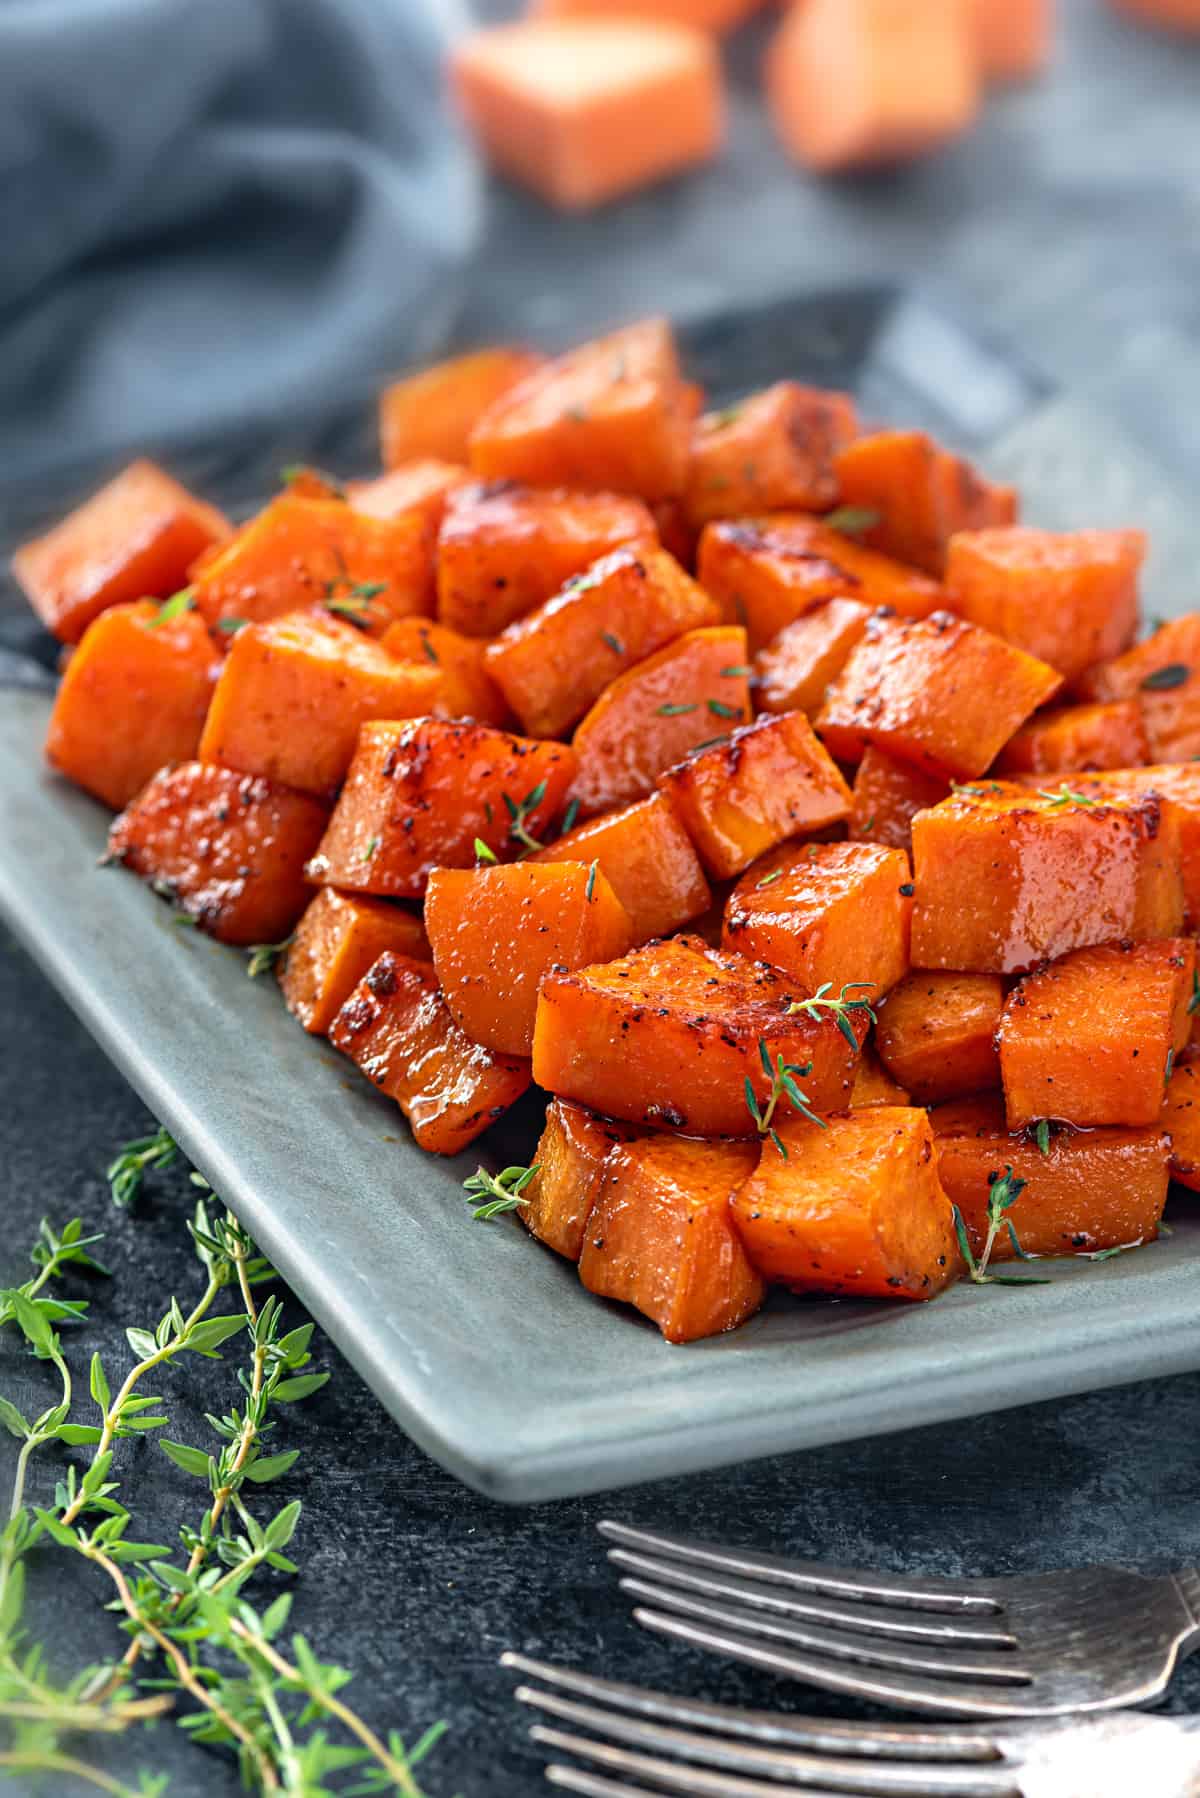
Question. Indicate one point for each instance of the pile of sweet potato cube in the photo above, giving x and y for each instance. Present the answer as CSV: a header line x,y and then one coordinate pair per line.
x,y
815,836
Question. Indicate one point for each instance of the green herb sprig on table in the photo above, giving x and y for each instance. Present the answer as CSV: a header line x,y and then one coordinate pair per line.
x,y
262,957
493,1194
128,1168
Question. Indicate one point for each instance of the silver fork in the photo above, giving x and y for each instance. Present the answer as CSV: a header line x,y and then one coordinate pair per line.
x,y
702,1750
1041,1645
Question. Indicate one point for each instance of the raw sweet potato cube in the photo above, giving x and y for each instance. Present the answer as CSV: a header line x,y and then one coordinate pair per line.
x,y
227,849
660,1236
859,82
937,692
338,940
702,15
936,1034
421,487
1181,1121
1091,1039
1164,674
614,414
301,553
888,794
496,932
764,573
132,699
855,1208
504,550
570,1157
1007,878
1073,737
770,780
395,1026
873,1085
921,494
1013,41
797,666
585,109
1091,1190
839,917
294,692
134,539
419,795
467,690
772,453
686,694
432,413
649,860
1068,597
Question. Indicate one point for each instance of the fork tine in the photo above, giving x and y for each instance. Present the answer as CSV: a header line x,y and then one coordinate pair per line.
x,y
573,1779
811,1576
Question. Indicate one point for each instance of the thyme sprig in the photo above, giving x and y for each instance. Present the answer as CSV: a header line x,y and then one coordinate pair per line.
x,y
839,1009
262,957
175,607
493,1194
1003,1192
126,1171
783,1076
1065,795
519,815
852,521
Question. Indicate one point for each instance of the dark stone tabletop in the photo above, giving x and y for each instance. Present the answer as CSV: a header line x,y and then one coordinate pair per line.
x,y
1068,221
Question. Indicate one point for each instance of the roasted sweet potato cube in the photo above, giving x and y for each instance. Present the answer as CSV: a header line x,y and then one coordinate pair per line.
x,y
670,1034
1013,39
937,692
701,15
613,414
855,1208
227,849
838,917
555,662
887,795
1091,1039
1164,674
660,1236
336,943
294,693
922,496
649,860
504,550
132,699
568,1162
396,1027
134,539
1068,597
421,487
686,694
797,666
1007,878
1074,737
1181,1121
873,1085
419,795
497,932
765,573
432,413
1090,1190
467,689
772,453
936,1034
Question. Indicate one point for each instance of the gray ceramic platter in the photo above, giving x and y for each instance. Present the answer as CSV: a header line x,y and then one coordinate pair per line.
x,y
483,1346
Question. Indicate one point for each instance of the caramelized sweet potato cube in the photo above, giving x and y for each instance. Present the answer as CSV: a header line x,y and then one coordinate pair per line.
x,y
797,666
227,849
838,917
772,453
422,487
1007,878
497,932
467,689
396,1028
570,1158
418,795
1074,737
134,539
432,413
684,695
1067,597
873,1085
923,496
338,940
555,662
504,550
1181,1121
770,780
888,794
613,414
917,687
671,1033
132,699
1164,674
855,1208
649,860
660,1236
300,553
1091,1039
294,692
765,573
1090,1190
936,1034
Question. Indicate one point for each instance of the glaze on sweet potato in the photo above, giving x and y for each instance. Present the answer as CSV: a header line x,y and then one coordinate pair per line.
x,y
1163,674
796,667
338,940
568,1162
922,496
1074,737
936,1034
838,915
773,452
433,411
396,1028
873,1085
649,860
887,796
1181,1121
418,487
467,689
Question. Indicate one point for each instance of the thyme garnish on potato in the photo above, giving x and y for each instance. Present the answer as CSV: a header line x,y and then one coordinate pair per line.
x,y
839,1009
782,1076
519,815
261,957
1003,1192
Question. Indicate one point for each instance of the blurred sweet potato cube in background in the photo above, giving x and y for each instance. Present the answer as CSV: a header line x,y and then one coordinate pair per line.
x,y
420,487
338,940
432,412
772,452
920,495
1013,37
701,15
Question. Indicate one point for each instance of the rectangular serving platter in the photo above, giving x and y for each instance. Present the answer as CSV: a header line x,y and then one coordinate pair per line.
x,y
481,1344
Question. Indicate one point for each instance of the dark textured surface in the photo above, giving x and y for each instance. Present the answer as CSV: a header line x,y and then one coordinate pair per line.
x,y
1069,219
